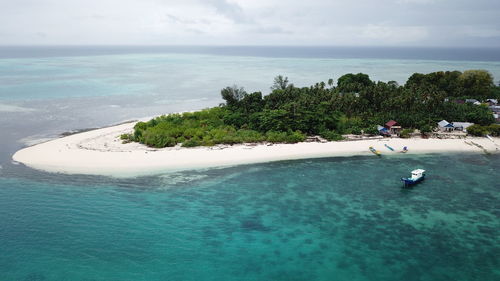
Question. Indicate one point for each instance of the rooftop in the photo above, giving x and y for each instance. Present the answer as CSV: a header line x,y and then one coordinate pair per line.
x,y
391,123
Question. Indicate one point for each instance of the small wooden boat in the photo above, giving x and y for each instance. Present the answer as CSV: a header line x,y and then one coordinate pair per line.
x,y
390,148
492,140
417,176
374,151
405,149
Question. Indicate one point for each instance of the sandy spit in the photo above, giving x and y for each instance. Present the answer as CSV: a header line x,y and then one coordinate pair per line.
x,y
101,152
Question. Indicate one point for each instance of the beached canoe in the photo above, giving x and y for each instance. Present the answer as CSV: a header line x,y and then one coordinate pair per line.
x,y
390,148
374,151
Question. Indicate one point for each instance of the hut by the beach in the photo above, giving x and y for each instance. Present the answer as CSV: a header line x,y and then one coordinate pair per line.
x,y
473,101
495,108
445,126
492,102
393,127
461,126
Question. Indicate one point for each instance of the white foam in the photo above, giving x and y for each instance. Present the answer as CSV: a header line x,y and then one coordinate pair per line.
x,y
14,108
33,140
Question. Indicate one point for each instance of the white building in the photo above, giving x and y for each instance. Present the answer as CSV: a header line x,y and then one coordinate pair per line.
x,y
492,101
445,126
495,108
461,126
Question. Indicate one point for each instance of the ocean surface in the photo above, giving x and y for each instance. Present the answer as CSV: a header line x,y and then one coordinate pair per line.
x,y
322,219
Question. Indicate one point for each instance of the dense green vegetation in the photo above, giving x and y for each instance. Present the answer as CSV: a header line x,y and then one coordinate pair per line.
x,y
357,104
478,130
206,127
477,84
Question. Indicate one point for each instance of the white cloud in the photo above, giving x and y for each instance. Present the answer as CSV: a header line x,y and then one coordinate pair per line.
x,y
481,32
417,1
244,22
394,34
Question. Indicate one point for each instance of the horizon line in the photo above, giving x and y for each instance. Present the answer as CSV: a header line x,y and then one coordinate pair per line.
x,y
253,46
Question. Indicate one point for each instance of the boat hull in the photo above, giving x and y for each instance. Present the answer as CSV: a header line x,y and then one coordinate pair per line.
x,y
410,182
388,147
374,151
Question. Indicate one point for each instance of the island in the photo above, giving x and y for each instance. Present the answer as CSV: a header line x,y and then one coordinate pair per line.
x,y
322,120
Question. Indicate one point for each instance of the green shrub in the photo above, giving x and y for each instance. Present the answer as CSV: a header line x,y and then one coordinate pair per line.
x,y
141,126
273,136
355,130
331,135
137,136
250,136
191,143
372,130
125,137
285,137
479,131
425,129
296,136
157,138
494,130
406,133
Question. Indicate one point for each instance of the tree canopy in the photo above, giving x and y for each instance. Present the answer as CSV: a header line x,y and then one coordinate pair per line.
x,y
469,84
357,104
280,83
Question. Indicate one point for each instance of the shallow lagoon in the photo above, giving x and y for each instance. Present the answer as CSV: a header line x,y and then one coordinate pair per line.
x,y
324,219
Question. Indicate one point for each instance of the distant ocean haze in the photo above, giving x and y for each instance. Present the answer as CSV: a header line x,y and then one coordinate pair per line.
x,y
192,73
419,53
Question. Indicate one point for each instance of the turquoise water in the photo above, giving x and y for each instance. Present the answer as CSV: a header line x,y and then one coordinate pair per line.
x,y
167,77
326,219
323,219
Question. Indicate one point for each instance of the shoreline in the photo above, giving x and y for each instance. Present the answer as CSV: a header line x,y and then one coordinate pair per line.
x,y
101,152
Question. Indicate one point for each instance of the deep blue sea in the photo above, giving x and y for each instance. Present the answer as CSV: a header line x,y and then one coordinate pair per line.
x,y
322,219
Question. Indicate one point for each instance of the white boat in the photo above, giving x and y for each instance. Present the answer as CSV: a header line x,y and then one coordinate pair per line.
x,y
417,176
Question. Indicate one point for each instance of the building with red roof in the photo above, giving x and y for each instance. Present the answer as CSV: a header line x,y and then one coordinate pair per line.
x,y
393,127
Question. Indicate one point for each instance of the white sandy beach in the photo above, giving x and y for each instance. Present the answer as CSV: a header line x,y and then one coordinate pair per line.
x,y
101,152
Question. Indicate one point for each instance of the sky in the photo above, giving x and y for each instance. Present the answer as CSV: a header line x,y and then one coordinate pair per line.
x,y
432,23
